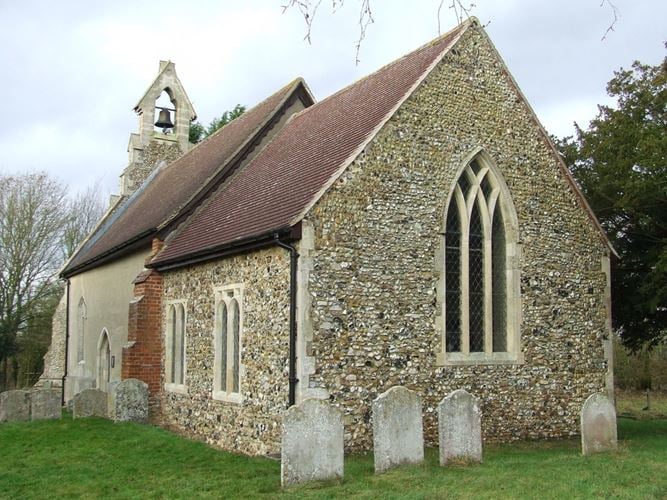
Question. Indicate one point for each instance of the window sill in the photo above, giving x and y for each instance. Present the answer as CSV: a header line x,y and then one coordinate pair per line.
x,y
228,397
479,358
176,388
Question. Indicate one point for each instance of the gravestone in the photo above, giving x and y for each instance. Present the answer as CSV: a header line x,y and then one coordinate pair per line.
x,y
312,443
598,425
14,406
90,403
398,434
460,428
128,401
45,404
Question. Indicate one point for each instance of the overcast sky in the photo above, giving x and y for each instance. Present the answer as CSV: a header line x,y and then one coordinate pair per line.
x,y
73,70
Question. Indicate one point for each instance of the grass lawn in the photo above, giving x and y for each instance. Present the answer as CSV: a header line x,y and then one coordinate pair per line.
x,y
94,458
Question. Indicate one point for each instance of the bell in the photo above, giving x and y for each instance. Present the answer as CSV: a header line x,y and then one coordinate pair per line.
x,y
164,120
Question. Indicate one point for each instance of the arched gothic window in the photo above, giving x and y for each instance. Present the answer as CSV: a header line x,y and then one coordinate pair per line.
x,y
227,338
481,307
82,315
175,347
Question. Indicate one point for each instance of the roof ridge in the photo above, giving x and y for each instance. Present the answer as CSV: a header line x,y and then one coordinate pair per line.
x,y
288,89
463,25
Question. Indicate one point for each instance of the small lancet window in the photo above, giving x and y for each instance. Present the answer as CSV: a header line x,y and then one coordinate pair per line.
x,y
175,347
227,338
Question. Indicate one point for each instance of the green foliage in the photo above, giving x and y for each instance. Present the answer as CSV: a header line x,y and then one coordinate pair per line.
x,y
95,458
198,132
620,162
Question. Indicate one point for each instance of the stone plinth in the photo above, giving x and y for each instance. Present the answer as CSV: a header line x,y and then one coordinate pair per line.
x,y
45,404
598,425
460,428
14,406
312,443
398,436
90,403
128,401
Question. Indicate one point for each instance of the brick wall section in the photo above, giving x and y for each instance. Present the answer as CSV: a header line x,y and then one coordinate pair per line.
x,y
142,359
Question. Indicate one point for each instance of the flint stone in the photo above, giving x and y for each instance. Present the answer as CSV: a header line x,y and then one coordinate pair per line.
x,y
398,434
128,401
598,425
46,404
460,427
90,403
14,406
312,443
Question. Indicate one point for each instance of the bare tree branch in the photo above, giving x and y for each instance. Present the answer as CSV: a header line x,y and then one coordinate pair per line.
x,y
614,11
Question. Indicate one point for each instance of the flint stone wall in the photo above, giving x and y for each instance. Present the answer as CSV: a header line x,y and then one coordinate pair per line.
x,y
312,443
398,434
14,406
54,359
45,404
253,426
460,427
598,425
128,401
90,403
376,319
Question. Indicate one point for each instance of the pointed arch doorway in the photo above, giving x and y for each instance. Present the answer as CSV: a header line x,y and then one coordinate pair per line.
x,y
103,361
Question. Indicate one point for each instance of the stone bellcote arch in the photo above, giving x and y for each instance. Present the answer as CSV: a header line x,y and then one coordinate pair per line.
x,y
150,145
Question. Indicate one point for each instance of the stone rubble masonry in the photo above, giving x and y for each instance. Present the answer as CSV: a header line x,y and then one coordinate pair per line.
x,y
598,425
142,358
253,426
15,406
90,403
377,256
45,404
54,359
312,443
460,428
398,434
128,401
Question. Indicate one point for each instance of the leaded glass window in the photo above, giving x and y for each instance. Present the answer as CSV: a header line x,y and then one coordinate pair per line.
x,y
175,347
478,275
227,337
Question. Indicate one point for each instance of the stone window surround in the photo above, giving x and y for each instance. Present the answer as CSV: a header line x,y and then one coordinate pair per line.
x,y
514,355
170,336
222,294
82,315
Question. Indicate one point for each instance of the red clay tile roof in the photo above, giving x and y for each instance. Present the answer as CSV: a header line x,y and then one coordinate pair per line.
x,y
170,188
284,180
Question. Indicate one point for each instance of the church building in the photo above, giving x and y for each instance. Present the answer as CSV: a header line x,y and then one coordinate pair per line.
x,y
416,228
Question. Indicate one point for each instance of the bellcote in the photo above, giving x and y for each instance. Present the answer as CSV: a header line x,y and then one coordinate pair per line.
x,y
166,93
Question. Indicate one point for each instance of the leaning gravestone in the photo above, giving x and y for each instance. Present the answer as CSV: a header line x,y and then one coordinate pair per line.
x,y
598,425
90,403
398,434
45,404
460,427
128,401
14,406
312,443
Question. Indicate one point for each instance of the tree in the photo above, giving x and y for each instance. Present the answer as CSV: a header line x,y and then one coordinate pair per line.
x,y
198,132
620,162
32,210
83,214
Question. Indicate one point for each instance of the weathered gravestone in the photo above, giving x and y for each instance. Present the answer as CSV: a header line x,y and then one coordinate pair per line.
x,y
45,404
598,425
128,401
312,443
90,403
398,434
460,427
14,406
